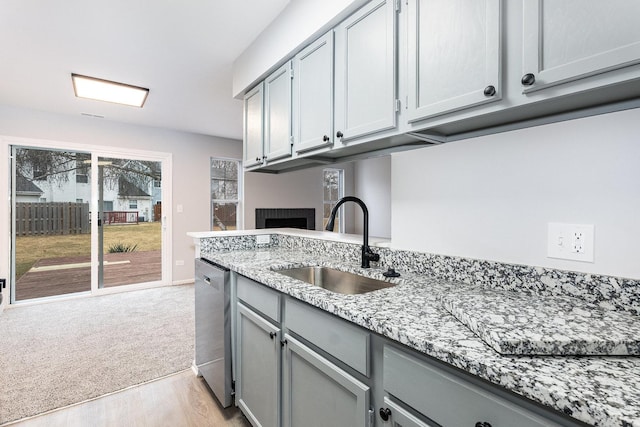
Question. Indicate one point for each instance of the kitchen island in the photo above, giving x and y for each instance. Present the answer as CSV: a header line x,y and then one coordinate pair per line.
x,y
595,390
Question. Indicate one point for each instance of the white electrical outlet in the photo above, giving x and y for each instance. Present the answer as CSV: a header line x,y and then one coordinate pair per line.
x,y
263,239
179,262
570,241
577,242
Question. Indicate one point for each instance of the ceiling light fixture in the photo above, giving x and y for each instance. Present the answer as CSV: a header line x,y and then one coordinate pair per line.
x,y
108,91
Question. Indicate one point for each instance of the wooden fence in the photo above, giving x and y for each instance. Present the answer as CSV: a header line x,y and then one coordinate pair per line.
x,y
52,218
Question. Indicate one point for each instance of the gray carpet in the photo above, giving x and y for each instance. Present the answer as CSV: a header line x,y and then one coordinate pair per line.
x,y
64,352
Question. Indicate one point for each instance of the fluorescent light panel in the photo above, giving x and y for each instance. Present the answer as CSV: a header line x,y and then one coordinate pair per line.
x,y
108,91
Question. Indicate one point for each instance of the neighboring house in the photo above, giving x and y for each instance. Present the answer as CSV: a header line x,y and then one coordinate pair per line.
x,y
119,196
130,198
26,190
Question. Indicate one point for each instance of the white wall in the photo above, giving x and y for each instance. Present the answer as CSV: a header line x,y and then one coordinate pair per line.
x,y
372,184
298,189
298,24
491,197
191,153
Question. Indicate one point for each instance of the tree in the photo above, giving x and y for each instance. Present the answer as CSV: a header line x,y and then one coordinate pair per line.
x,y
59,166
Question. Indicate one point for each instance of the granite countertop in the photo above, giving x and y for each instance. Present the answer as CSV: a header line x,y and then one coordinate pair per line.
x,y
523,324
603,391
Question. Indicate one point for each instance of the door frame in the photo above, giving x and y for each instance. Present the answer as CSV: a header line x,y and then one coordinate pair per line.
x,y
6,254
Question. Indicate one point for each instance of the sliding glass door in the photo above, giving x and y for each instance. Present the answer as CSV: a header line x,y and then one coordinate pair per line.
x,y
130,221
85,221
51,222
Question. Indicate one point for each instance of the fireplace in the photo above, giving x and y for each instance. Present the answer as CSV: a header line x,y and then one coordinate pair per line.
x,y
293,218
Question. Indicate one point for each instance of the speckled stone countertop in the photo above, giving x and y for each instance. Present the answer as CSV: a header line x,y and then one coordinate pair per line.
x,y
516,323
602,391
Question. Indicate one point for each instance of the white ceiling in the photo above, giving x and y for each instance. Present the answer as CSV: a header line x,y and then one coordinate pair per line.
x,y
181,50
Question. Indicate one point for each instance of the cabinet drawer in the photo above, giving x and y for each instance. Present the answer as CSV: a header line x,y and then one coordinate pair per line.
x,y
346,342
400,417
260,297
447,399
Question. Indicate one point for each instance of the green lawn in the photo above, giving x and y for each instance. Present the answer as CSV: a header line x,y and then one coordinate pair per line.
x,y
30,249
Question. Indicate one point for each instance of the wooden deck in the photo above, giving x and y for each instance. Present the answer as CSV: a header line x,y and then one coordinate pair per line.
x,y
59,276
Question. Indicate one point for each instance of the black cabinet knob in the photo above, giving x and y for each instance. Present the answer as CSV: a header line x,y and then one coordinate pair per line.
x,y
272,335
528,79
489,90
385,413
325,138
339,134
483,424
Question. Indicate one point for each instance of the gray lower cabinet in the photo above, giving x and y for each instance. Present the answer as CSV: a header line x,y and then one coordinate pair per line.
x,y
317,393
446,399
398,416
299,366
258,370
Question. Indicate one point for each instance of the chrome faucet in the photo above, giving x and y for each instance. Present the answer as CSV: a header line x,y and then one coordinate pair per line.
x,y
367,255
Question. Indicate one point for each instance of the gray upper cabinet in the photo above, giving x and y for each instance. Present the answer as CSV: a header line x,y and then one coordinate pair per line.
x,y
277,113
568,40
253,126
454,55
313,95
365,63
317,393
396,72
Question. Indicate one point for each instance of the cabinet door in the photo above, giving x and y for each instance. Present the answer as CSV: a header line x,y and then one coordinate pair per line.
x,y
318,394
365,60
277,114
253,126
313,95
572,39
258,370
454,55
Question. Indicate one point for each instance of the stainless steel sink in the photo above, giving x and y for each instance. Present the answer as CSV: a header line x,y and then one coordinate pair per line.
x,y
335,280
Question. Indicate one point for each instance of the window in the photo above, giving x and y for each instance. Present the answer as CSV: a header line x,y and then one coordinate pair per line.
x,y
83,161
225,194
133,204
333,185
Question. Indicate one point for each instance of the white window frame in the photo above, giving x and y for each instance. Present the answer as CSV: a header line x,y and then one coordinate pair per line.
x,y
237,201
341,216
6,216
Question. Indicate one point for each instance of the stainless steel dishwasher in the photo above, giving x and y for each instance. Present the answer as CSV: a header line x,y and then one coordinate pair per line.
x,y
213,328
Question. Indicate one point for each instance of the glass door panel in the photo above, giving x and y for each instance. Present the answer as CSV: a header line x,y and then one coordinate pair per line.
x,y
51,238
130,221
